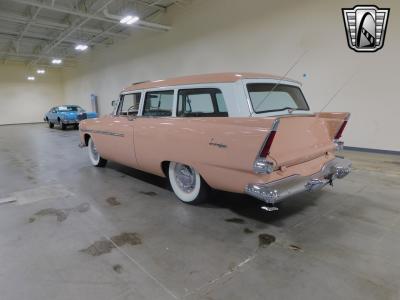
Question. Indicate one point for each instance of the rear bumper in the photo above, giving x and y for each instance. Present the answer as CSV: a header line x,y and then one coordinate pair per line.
x,y
69,122
276,191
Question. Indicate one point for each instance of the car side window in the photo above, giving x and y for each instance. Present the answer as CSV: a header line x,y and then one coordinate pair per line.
x,y
203,102
129,104
158,103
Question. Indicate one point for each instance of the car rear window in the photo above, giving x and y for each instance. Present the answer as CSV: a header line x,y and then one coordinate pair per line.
x,y
269,97
69,108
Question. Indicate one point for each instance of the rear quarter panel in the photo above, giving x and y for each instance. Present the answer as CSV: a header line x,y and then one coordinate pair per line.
x,y
222,150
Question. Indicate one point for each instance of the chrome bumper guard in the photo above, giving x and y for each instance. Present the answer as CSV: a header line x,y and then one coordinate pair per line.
x,y
276,191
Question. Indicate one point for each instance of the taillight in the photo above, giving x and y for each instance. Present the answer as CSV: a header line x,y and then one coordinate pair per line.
x,y
340,131
267,146
261,164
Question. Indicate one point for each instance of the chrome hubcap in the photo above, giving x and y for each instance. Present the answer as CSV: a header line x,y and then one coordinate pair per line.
x,y
185,177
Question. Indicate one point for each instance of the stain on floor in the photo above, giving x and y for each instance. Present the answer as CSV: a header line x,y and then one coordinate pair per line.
x,y
117,268
112,201
392,162
265,239
235,220
295,248
61,214
105,246
247,230
149,193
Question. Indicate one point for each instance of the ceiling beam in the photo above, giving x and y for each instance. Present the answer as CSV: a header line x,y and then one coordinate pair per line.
x,y
65,34
22,60
64,10
66,31
153,4
15,18
13,35
31,55
140,23
26,28
95,16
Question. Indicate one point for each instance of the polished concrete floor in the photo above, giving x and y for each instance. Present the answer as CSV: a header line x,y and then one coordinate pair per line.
x,y
79,232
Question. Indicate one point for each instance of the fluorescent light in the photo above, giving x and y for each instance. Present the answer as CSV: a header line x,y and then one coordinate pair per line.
x,y
129,20
40,71
56,61
31,78
124,20
132,20
81,47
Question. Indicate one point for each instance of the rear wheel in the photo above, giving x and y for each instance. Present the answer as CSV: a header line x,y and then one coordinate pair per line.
x,y
62,125
187,183
94,156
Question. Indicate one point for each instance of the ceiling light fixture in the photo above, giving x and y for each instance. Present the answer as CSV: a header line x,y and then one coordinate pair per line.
x,y
128,20
81,47
56,61
31,78
40,71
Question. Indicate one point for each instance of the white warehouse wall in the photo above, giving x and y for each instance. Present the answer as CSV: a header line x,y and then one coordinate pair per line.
x,y
23,101
265,36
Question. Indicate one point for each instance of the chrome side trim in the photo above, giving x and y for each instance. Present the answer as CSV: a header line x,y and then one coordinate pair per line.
x,y
103,132
278,190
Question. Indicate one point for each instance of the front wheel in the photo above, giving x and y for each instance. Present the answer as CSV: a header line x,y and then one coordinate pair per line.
x,y
51,125
187,183
94,156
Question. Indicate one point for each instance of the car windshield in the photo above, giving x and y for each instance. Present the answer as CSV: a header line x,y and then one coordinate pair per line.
x,y
70,108
270,97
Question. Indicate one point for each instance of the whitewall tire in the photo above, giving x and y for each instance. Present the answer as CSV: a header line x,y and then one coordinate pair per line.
x,y
94,156
187,183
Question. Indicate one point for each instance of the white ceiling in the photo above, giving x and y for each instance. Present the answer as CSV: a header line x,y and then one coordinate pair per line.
x,y
35,31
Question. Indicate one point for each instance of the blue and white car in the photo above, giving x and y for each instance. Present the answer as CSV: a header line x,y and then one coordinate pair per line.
x,y
65,115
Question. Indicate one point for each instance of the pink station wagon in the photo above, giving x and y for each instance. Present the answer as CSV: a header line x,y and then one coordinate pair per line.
x,y
237,132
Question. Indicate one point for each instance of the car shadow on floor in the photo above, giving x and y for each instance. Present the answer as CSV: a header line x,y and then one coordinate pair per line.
x,y
251,208
68,128
240,204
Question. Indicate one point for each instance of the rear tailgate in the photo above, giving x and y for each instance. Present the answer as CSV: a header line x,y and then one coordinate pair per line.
x,y
302,138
